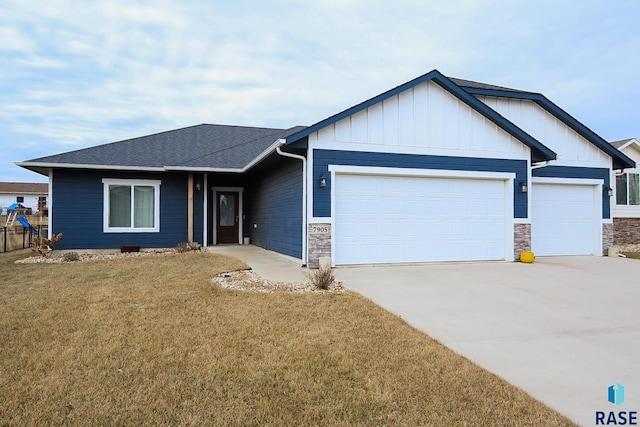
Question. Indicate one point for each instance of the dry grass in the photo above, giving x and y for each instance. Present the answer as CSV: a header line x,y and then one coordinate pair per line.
x,y
152,341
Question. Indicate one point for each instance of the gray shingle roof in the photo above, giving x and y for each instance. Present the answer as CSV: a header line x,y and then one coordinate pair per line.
x,y
203,146
620,143
478,85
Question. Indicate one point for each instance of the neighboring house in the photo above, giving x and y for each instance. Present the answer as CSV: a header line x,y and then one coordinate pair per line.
x,y
626,211
30,195
437,169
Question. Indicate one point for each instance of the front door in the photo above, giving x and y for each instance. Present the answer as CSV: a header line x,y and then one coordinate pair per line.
x,y
227,217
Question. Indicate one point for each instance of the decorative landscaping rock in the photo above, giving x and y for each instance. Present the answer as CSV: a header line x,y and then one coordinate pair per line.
x,y
247,280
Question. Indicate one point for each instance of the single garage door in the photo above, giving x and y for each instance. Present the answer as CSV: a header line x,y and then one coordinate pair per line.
x,y
564,219
392,219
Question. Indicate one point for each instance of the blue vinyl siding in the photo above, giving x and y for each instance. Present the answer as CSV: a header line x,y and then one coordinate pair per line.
x,y
323,158
275,206
580,173
77,211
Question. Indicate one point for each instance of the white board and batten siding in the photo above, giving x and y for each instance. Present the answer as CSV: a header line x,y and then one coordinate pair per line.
x,y
571,148
425,119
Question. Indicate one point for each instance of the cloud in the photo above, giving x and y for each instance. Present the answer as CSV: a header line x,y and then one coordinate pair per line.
x,y
82,73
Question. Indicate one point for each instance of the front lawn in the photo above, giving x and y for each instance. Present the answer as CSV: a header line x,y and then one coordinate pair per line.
x,y
153,341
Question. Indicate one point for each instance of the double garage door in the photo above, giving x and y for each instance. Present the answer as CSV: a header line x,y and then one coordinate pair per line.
x,y
396,219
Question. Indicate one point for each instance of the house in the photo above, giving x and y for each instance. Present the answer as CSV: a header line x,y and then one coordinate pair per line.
x,y
626,211
29,194
436,169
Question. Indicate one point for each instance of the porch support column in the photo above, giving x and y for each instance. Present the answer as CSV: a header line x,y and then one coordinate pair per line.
x,y
190,208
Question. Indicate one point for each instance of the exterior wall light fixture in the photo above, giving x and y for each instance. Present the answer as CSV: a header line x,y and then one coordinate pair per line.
x,y
609,191
523,186
323,181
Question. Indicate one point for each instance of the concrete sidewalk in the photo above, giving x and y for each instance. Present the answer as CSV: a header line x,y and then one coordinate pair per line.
x,y
269,265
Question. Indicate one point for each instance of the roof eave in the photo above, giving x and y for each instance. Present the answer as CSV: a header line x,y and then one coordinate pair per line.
x,y
49,165
31,165
270,150
619,159
200,169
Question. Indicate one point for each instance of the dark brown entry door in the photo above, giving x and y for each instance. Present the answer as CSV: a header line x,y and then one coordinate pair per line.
x,y
227,217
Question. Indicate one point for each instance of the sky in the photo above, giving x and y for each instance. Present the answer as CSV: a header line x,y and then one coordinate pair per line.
x,y
75,74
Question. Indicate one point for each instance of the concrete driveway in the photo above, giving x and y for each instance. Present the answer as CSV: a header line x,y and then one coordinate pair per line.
x,y
563,329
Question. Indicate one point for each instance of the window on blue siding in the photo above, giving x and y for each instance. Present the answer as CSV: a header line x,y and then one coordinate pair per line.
x,y
131,206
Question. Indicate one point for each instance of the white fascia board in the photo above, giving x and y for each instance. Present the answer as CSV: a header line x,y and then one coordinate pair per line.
x,y
264,154
87,166
436,173
125,168
194,169
255,161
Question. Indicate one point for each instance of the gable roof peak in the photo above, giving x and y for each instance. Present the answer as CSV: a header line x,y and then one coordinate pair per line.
x,y
539,152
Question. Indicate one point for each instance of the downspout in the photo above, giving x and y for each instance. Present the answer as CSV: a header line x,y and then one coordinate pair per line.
x,y
542,165
50,206
281,142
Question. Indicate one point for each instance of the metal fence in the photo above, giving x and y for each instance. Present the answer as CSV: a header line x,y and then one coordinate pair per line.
x,y
14,238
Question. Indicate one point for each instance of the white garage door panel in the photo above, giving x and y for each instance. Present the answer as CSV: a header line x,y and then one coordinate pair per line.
x,y
383,219
564,219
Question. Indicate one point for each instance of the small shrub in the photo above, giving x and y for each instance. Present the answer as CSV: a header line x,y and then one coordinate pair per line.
x,y
71,257
322,278
187,247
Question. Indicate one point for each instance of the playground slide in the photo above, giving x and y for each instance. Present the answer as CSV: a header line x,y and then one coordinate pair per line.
x,y
27,224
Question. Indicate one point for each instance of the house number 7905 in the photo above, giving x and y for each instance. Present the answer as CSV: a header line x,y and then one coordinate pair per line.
x,y
319,228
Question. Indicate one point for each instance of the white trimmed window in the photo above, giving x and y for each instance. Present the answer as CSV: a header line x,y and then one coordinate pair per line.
x,y
131,206
628,189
